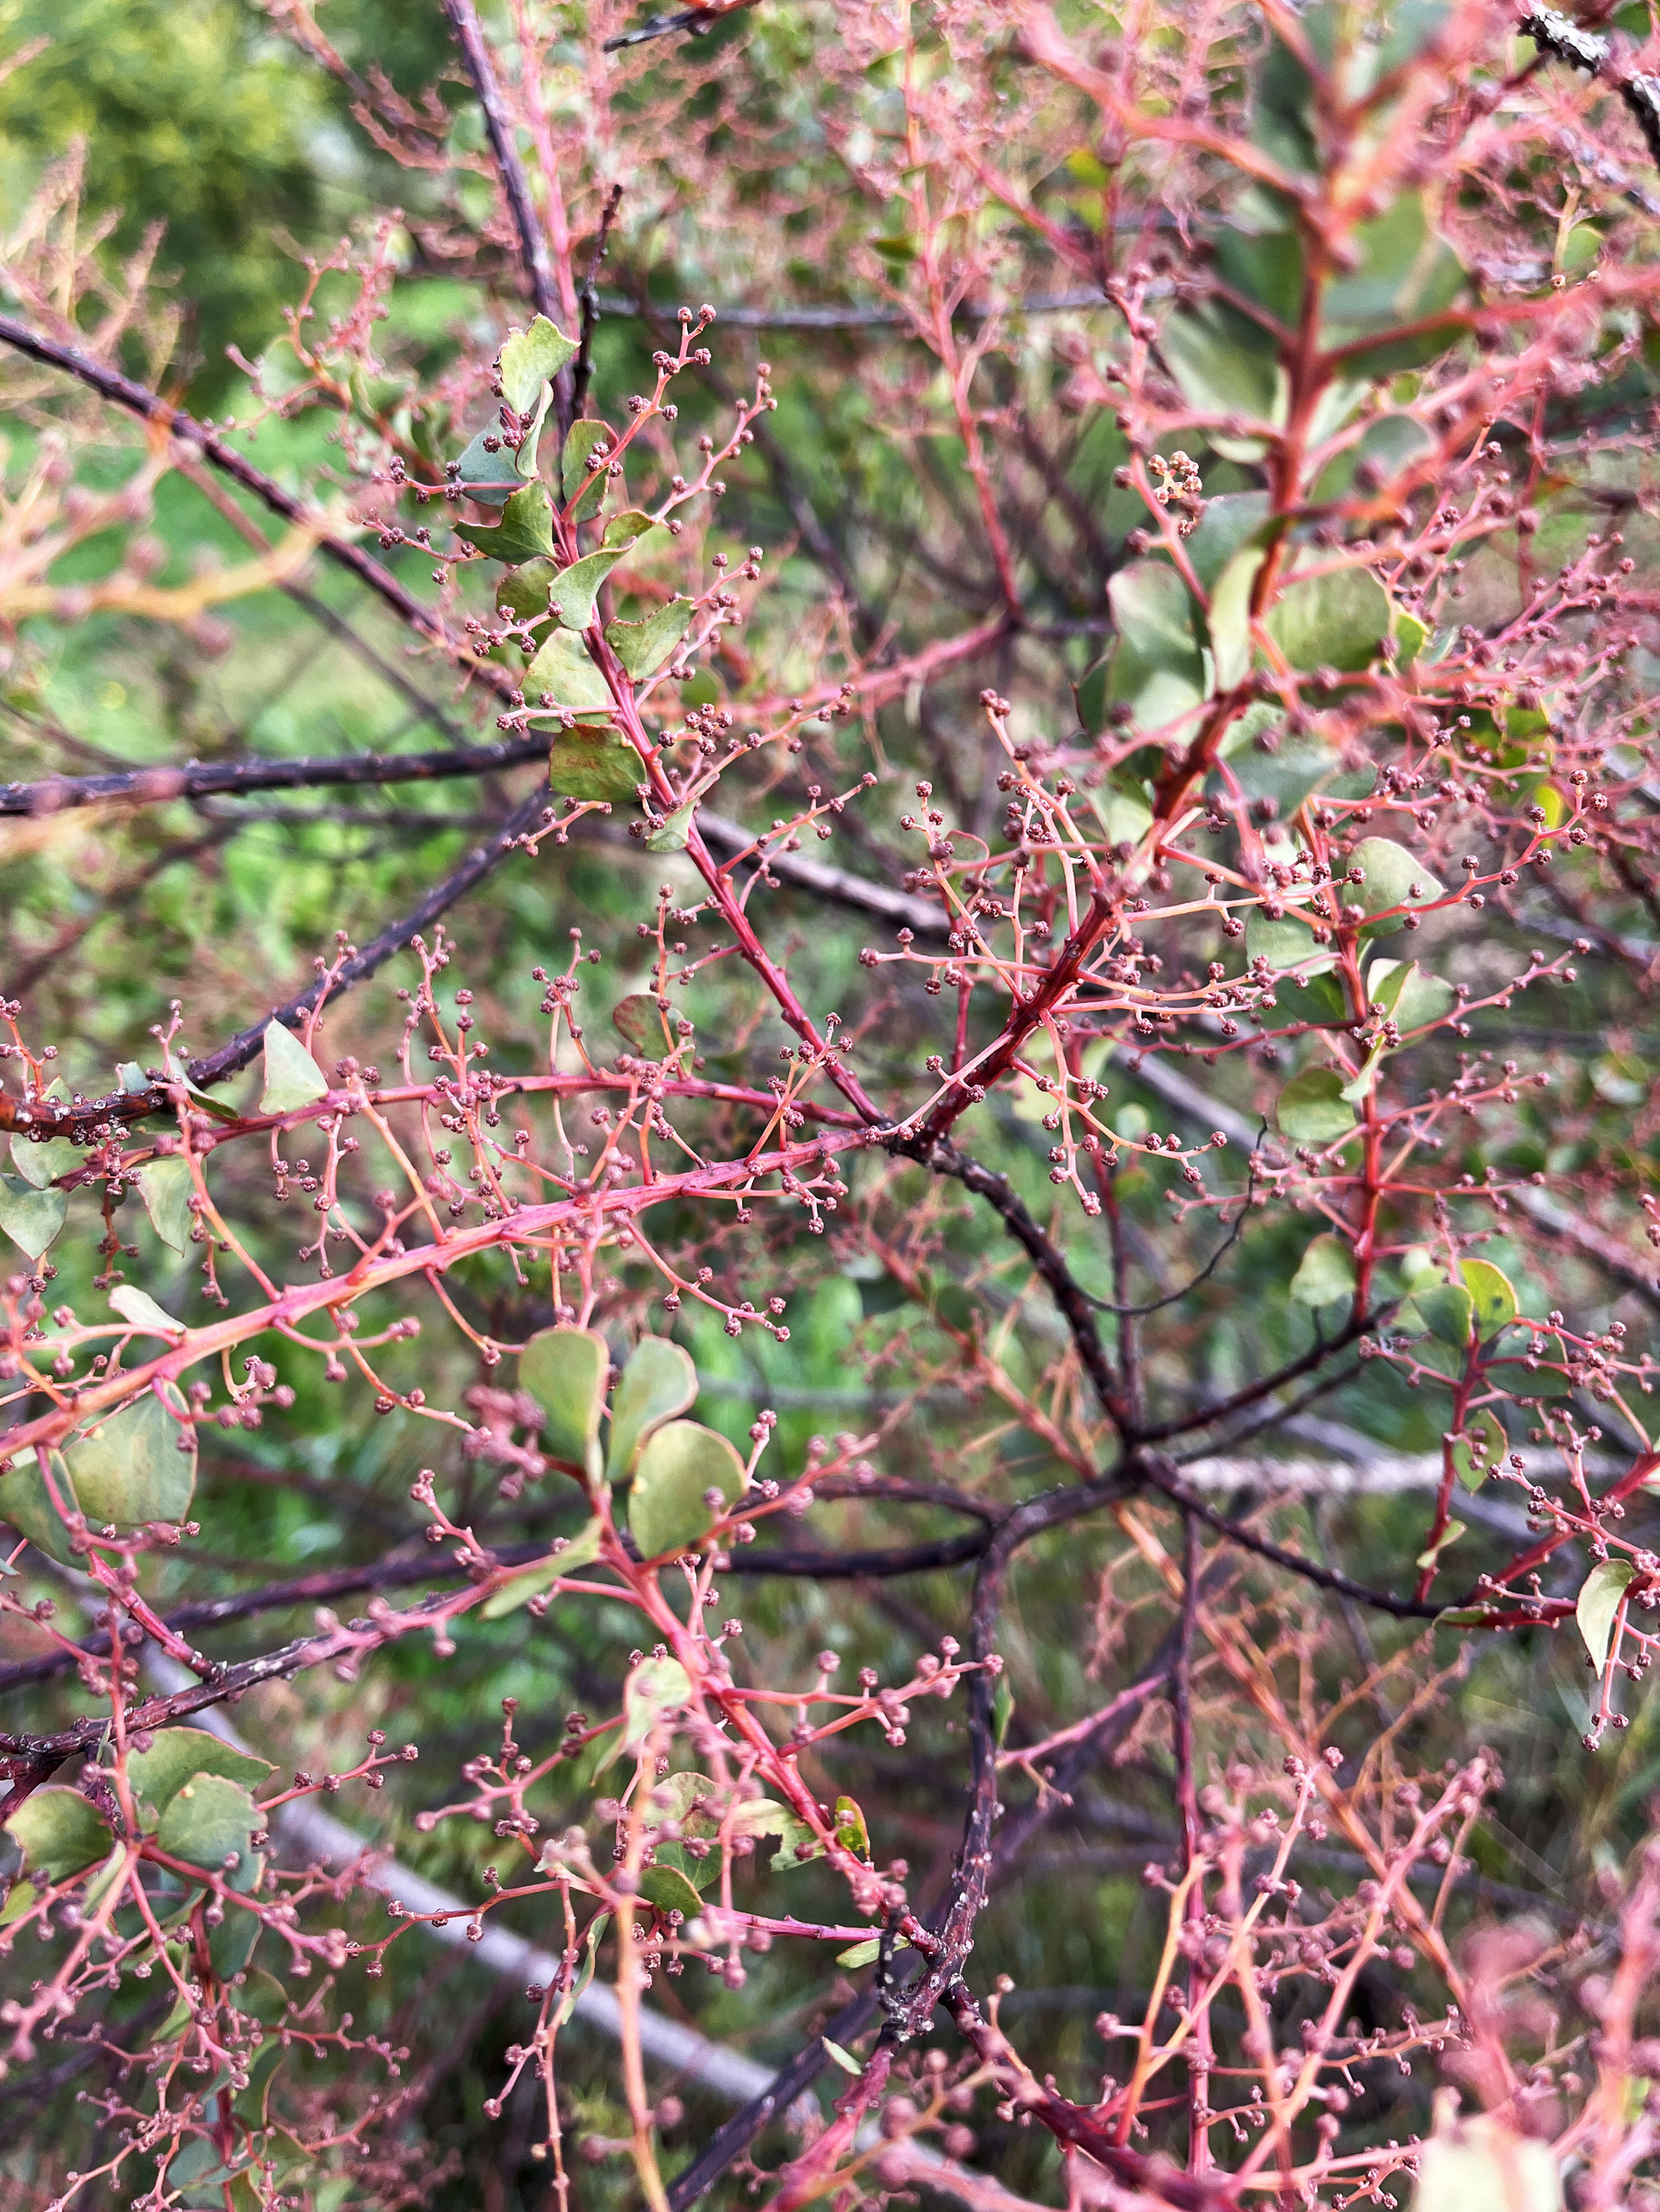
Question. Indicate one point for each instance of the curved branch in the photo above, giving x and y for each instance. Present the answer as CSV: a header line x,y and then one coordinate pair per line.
x,y
463,20
1161,1473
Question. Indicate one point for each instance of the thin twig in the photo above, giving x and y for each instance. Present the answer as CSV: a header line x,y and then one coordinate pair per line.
x,y
53,794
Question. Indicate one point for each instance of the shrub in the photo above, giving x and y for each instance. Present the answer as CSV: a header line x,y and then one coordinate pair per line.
x,y
1059,873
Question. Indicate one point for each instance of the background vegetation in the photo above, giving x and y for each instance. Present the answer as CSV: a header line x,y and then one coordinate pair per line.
x,y
1031,291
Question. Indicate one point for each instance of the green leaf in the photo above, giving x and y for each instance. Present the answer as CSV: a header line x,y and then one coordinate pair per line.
x,y
659,1382
1402,272
1393,877
851,1830
955,1307
1447,1310
1481,1449
671,837
1493,1295
1312,1109
1230,618
592,1939
31,1218
1224,364
573,590
844,2059
1090,696
207,1817
293,1078
175,1755
1224,528
668,1889
1598,1602
127,1467
1325,1274
59,1832
230,1946
27,1503
580,1551
1337,620
638,1021
1265,266
1410,997
700,1873
490,477
562,675
762,1816
1410,636
1478,2164
41,1164
522,593
571,594
20,1898
565,1371
529,356
1156,667
654,1688
167,1187
643,646
594,763
629,529
798,1845
525,459
1430,1558
1286,944
1122,807
525,528
867,1953
1002,1708
666,1509
139,1308
574,464
1548,1380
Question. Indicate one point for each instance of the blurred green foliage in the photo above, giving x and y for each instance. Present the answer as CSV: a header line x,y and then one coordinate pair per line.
x,y
192,117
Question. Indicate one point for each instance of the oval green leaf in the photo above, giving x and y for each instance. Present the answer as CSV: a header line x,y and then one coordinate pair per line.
x,y
638,1021
667,1889
293,1078
1481,1449
643,646
659,1382
31,1218
1394,878
40,1164
1598,1602
594,763
1446,1310
128,1468
531,357
565,1371
1334,621
167,1187
582,1551
207,1818
654,1688
59,1832
679,1464
1312,1110
157,1775
1493,1297
1325,1272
